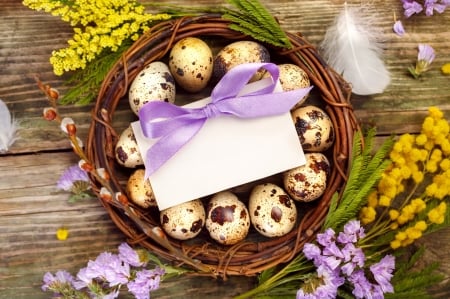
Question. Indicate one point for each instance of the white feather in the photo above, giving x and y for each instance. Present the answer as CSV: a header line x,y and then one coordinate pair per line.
x,y
351,46
8,128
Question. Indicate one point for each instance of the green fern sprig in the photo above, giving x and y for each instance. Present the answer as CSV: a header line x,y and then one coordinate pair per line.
x,y
252,18
85,83
366,170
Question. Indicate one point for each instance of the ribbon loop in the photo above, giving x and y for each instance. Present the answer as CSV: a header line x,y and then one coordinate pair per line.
x,y
175,126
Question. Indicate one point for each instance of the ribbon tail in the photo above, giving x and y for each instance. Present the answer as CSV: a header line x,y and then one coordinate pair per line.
x,y
169,145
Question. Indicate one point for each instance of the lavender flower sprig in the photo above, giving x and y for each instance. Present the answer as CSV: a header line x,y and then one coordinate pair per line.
x,y
108,273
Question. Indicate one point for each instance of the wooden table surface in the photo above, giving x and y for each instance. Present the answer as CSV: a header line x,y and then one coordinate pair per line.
x,y
32,209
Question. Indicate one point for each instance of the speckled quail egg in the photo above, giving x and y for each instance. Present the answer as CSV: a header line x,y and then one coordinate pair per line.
x,y
272,212
308,182
127,151
153,83
139,189
227,218
314,128
183,221
292,77
238,53
191,63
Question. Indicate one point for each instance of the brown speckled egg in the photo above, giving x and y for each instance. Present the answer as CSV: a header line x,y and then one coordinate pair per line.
x,y
272,212
314,128
308,182
153,83
227,218
127,151
191,63
238,53
139,190
183,221
292,77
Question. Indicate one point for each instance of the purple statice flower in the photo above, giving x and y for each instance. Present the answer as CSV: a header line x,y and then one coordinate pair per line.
x,y
145,281
433,5
398,28
425,57
354,259
361,285
70,177
61,277
411,7
326,238
110,268
325,285
83,279
339,259
353,231
382,273
426,54
130,256
117,272
312,251
107,267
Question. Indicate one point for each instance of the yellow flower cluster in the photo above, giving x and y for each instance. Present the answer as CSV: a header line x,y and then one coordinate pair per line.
x,y
446,69
97,25
417,178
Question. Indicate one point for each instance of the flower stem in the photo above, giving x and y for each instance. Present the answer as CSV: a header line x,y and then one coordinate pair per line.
x,y
298,265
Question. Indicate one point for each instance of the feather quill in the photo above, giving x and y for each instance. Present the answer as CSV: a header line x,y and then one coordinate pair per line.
x,y
351,46
8,128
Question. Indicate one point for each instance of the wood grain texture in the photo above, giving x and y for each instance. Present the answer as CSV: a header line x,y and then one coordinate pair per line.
x,y
32,209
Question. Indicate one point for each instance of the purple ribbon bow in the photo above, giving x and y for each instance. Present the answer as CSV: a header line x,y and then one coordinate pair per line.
x,y
175,126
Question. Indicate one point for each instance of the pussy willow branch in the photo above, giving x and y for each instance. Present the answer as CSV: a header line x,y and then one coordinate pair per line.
x,y
120,201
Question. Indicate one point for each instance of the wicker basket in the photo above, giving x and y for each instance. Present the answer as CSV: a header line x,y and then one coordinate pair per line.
x,y
253,255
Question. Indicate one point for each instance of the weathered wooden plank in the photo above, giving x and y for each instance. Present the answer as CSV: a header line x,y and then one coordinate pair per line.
x,y
29,40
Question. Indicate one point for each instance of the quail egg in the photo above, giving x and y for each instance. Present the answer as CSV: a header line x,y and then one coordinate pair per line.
x,y
191,63
139,189
183,221
227,220
308,182
153,83
292,77
314,128
272,212
238,53
127,150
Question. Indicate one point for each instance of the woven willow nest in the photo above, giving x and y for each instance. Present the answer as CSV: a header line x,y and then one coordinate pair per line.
x,y
254,254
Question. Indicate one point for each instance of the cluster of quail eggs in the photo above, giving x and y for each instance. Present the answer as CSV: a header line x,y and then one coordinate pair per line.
x,y
269,209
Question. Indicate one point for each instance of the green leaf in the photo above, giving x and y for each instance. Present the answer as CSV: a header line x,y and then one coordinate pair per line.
x,y
265,275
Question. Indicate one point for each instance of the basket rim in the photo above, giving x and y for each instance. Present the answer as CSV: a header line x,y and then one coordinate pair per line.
x,y
245,258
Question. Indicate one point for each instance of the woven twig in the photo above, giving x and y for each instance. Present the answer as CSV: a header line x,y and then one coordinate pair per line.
x,y
247,257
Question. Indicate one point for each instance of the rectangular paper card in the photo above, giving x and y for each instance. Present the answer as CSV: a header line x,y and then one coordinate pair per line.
x,y
226,152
